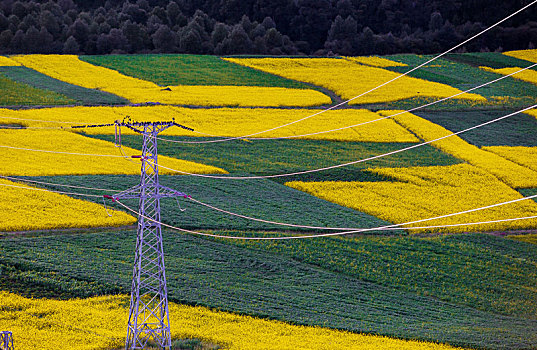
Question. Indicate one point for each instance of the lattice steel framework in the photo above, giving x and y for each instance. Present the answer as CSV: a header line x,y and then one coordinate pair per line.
x,y
6,340
149,321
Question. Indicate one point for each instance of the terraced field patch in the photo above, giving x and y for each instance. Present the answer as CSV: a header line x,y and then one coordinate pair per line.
x,y
375,61
528,55
507,171
508,92
7,62
349,79
528,75
15,93
70,69
422,193
458,268
166,70
489,59
517,130
525,156
24,207
67,153
73,92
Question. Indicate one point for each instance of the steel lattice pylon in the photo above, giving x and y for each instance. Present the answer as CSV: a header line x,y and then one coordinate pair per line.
x,y
149,321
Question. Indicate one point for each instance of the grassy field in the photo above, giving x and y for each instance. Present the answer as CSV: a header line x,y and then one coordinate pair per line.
x,y
254,281
490,59
518,130
16,94
450,268
510,91
167,70
77,93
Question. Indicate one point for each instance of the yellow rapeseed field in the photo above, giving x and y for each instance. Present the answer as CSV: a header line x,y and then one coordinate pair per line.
x,y
525,156
29,163
423,192
100,323
7,62
509,172
376,61
349,79
531,238
532,112
70,69
528,55
23,209
227,121
527,75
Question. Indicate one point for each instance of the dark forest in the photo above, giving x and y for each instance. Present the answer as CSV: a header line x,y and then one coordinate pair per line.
x,y
264,27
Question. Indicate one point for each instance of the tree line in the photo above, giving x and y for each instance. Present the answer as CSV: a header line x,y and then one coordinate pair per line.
x,y
266,27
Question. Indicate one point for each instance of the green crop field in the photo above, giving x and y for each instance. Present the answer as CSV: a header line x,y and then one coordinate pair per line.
x,y
464,76
449,268
518,130
494,60
16,94
167,70
73,92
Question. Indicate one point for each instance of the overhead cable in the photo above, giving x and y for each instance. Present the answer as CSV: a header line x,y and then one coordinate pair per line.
x,y
374,120
279,238
346,101
294,173
381,85
353,228
351,231
353,162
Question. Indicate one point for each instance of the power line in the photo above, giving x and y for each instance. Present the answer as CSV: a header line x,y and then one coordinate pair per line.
x,y
465,224
379,228
349,163
381,85
298,172
249,217
344,102
403,112
353,228
374,120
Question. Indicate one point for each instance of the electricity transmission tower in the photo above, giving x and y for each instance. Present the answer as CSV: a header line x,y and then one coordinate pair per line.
x,y
149,321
